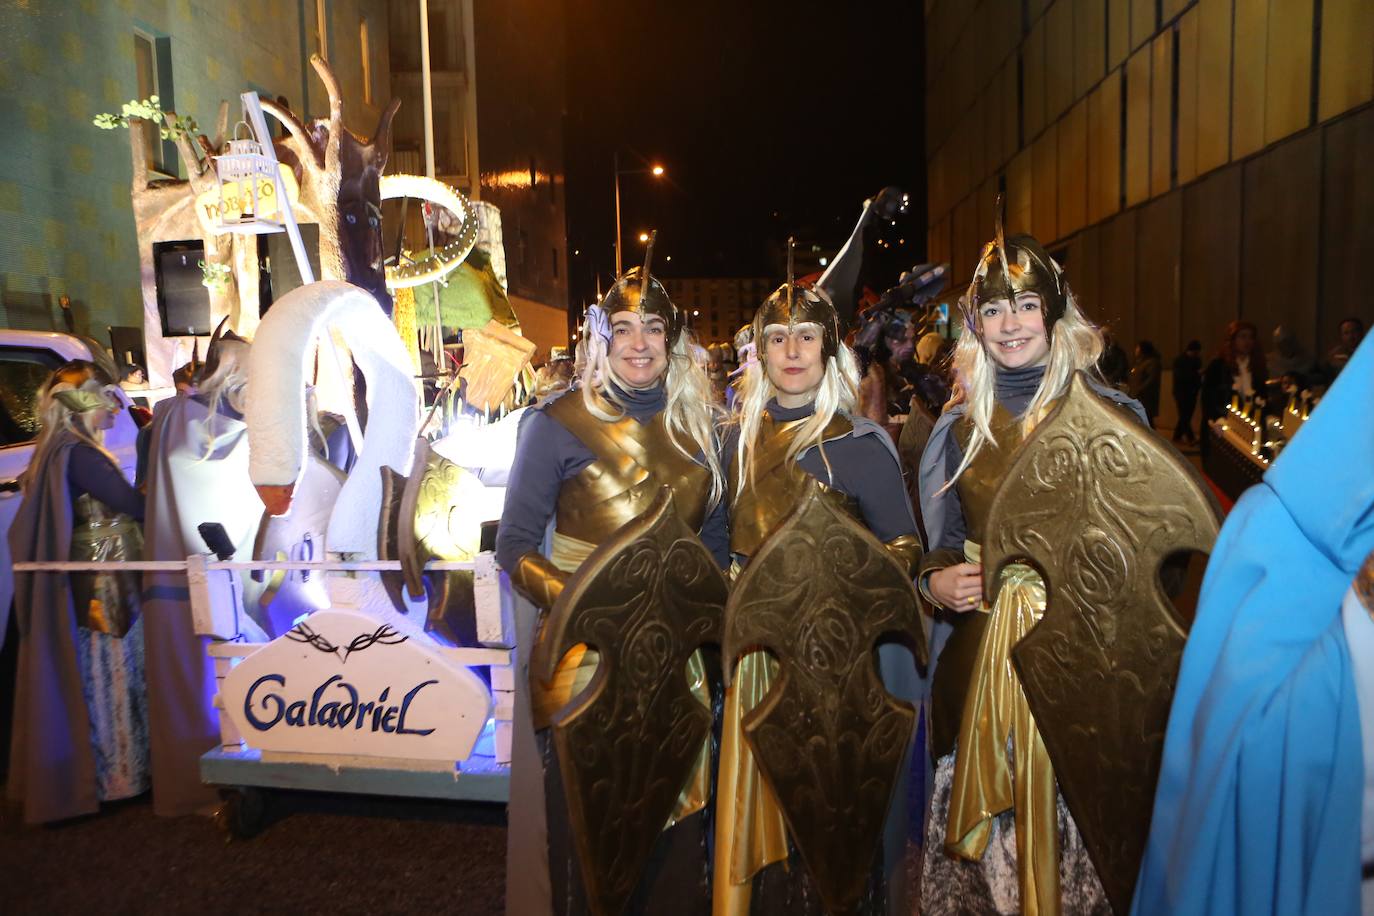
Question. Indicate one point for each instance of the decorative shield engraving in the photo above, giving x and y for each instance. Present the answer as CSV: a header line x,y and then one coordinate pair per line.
x,y
646,599
829,739
1097,503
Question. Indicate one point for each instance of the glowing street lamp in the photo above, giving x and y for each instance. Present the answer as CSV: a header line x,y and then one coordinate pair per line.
x,y
657,171
644,237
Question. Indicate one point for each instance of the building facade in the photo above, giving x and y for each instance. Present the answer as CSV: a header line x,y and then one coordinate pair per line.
x,y
717,307
66,218
497,76
1190,163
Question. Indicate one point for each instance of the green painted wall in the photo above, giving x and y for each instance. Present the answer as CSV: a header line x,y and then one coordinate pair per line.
x,y
66,222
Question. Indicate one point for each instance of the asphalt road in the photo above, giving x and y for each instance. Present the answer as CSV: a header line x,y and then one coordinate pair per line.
x,y
318,853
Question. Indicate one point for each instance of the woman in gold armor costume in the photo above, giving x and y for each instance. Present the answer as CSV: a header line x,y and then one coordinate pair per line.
x,y
80,718
796,422
999,837
587,462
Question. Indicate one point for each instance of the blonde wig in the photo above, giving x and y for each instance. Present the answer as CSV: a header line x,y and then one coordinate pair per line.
x,y
838,392
1075,344
690,414
225,381
54,416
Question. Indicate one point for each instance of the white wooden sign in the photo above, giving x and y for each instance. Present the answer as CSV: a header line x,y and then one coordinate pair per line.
x,y
343,682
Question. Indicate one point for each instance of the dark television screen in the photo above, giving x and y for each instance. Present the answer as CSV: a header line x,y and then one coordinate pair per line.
x,y
182,301
277,270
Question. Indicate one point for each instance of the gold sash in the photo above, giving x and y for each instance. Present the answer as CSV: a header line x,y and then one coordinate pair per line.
x,y
985,785
575,672
750,831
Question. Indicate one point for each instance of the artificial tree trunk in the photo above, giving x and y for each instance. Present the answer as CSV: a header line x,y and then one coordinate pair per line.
x,y
339,174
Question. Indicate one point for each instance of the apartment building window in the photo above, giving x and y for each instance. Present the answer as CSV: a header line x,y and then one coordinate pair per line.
x,y
365,49
153,67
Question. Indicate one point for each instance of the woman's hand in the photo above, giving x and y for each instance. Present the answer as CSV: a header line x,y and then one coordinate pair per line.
x,y
958,587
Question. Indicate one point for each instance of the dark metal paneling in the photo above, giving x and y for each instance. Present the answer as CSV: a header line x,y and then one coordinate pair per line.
x,y
1083,268
1158,247
1280,237
1116,280
1210,280
1347,229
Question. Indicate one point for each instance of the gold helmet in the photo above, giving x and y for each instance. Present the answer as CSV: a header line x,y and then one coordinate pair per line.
x,y
1009,266
796,303
630,293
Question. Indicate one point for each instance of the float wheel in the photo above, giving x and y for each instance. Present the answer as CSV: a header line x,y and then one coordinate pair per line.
x,y
244,811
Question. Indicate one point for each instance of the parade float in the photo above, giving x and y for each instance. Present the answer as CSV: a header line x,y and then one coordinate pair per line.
x,y
371,650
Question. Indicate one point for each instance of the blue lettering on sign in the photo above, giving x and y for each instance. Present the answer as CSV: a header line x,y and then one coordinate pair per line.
x,y
324,711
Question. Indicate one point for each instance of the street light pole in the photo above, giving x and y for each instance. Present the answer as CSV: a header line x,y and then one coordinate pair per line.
x,y
655,170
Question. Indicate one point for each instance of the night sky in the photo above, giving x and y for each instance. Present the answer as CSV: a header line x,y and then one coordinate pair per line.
x,y
772,118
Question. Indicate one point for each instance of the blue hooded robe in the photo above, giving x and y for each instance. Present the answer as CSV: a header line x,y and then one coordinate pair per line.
x,y
1259,798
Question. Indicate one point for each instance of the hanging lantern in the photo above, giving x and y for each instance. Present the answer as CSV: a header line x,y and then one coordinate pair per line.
x,y
249,199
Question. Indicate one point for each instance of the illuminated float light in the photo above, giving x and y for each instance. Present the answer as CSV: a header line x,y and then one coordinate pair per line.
x,y
443,262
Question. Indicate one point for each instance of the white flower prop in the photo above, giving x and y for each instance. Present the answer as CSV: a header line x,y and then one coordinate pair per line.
x,y
598,323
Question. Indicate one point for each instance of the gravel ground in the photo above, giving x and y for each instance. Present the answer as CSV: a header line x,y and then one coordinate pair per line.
x,y
318,853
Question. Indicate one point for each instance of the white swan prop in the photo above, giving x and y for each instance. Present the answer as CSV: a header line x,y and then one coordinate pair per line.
x,y
276,414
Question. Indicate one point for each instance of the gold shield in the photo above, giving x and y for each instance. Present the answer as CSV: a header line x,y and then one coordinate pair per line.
x,y
646,599
1098,503
829,739
430,515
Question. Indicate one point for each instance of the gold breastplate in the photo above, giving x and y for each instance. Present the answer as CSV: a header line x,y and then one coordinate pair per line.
x,y
980,480
633,460
777,485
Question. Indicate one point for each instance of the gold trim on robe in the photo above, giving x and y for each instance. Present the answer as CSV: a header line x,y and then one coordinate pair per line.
x,y
985,783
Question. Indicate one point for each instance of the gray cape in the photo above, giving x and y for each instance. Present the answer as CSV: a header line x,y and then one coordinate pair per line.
x,y
52,766
184,491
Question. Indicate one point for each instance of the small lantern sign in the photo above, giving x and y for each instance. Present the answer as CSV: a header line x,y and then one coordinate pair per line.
x,y
249,199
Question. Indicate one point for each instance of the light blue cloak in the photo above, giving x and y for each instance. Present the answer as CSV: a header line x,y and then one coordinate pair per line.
x,y
1259,799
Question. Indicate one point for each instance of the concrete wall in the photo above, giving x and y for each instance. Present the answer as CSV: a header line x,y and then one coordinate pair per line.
x,y
1190,162
66,223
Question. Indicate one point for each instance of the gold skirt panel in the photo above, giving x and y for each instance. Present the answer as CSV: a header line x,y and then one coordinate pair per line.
x,y
575,672
750,830
985,784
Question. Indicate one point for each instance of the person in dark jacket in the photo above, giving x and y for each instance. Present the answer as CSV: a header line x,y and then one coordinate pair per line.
x,y
1238,369
1113,365
1187,384
1144,380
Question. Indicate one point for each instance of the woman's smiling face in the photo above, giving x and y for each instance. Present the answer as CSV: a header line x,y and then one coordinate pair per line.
x,y
1014,331
638,352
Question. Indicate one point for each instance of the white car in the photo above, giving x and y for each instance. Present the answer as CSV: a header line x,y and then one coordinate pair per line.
x,y
26,359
